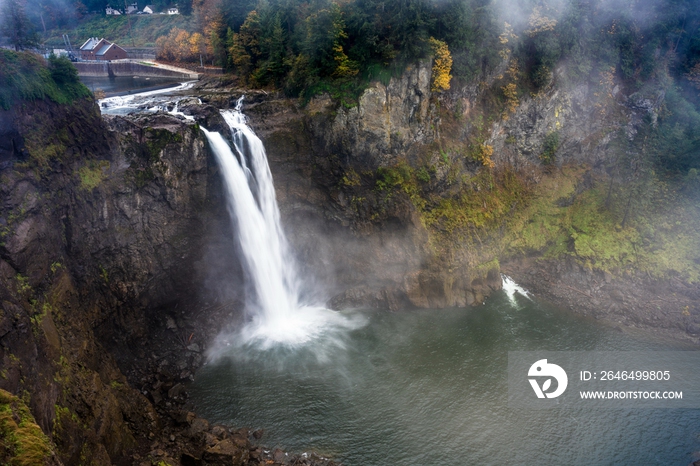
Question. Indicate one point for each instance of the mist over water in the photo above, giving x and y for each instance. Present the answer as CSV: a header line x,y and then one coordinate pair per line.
x,y
416,387
276,312
429,387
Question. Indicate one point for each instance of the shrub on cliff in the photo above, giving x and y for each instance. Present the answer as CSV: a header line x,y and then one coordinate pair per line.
x,y
25,76
23,442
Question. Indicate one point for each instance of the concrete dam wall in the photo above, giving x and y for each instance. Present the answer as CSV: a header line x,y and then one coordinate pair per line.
x,y
129,68
141,53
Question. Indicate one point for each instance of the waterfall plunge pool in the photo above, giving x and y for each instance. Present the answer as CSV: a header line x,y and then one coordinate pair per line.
x,y
429,387
420,387
408,388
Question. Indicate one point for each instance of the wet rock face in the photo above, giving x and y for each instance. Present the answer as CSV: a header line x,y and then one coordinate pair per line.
x,y
11,144
386,263
581,118
144,224
102,221
669,307
207,116
387,122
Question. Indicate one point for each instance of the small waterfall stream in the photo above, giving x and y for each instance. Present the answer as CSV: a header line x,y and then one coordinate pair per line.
x,y
277,314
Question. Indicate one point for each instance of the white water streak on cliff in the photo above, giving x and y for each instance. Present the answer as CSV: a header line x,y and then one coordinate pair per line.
x,y
510,288
277,315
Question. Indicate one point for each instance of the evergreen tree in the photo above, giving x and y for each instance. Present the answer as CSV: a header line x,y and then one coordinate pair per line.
x,y
16,25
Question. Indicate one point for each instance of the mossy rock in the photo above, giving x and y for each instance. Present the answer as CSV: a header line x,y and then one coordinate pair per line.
x,y
22,443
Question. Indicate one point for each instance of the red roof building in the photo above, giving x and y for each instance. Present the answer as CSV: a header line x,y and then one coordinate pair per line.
x,y
101,49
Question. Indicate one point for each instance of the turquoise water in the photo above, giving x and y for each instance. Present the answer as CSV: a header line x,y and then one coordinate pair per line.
x,y
429,387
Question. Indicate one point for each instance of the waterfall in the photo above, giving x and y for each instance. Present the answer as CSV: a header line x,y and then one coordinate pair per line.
x,y
510,288
277,314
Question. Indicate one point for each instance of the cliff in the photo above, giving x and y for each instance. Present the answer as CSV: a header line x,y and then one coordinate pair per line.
x,y
96,229
416,198
116,258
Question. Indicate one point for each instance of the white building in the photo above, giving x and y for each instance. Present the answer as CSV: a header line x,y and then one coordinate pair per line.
x,y
131,9
112,12
149,10
173,11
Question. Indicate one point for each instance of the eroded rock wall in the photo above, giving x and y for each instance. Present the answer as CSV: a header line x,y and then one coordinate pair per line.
x,y
362,247
101,222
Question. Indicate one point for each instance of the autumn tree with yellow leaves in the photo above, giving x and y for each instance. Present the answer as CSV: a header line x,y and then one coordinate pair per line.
x,y
180,46
442,65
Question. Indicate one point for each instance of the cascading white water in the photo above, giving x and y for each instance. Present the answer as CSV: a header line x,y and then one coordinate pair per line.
x,y
510,288
276,312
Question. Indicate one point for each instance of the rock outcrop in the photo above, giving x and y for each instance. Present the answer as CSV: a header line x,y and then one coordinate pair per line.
x,y
365,248
101,221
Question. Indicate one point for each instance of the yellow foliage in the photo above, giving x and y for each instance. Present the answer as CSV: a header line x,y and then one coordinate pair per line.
x,y
180,45
507,34
442,65
510,91
346,67
196,44
504,39
513,69
482,153
539,23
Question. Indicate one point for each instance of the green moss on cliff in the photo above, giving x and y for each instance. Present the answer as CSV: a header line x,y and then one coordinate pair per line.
x,y
22,443
26,76
157,139
483,202
560,222
403,178
92,174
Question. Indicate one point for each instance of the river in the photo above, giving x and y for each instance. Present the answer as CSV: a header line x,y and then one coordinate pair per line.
x,y
429,387
123,85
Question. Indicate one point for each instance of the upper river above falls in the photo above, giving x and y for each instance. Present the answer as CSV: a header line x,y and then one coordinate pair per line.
x,y
429,387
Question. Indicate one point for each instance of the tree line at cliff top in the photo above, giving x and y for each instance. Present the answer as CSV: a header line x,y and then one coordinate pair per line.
x,y
299,45
308,47
296,44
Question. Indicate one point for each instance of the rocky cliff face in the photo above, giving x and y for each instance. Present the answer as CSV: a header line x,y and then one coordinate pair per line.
x,y
112,228
390,123
102,222
367,248
358,186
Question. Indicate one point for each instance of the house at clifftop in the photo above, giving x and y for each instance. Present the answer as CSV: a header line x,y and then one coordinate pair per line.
x,y
101,49
109,11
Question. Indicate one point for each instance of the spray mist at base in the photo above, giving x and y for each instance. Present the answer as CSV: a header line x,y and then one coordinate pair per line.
x,y
276,315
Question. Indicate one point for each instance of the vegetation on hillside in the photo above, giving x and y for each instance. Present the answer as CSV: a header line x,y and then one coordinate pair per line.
x,y
304,47
23,442
25,76
143,32
564,220
646,52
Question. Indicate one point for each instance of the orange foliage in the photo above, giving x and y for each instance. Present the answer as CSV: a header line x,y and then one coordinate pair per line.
x,y
180,45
